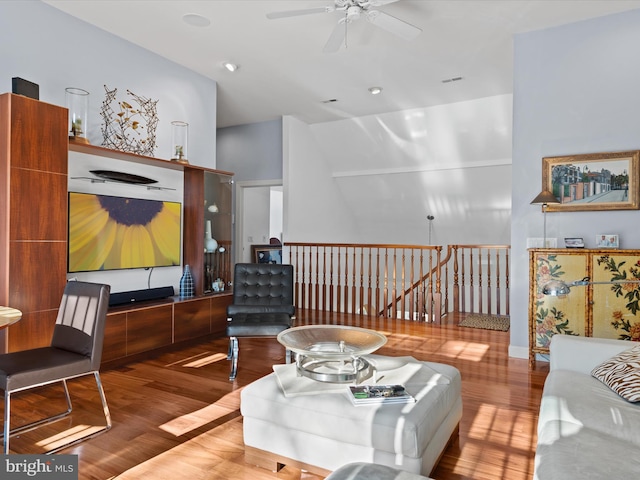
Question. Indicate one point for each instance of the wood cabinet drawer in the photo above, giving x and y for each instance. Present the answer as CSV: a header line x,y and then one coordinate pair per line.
x,y
115,337
149,328
191,319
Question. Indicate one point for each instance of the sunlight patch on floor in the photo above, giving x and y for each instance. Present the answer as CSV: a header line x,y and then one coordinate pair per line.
x,y
471,351
201,362
496,425
191,421
198,457
493,427
69,435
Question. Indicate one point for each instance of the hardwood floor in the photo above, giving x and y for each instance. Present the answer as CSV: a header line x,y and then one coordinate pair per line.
x,y
177,416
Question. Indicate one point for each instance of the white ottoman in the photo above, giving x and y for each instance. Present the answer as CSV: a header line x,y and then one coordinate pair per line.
x,y
320,432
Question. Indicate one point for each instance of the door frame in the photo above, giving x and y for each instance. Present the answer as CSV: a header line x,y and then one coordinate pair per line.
x,y
239,224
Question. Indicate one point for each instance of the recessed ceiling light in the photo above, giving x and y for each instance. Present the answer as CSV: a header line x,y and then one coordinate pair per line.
x,y
232,67
196,20
375,90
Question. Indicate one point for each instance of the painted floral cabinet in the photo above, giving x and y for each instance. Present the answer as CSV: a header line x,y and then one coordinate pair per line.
x,y
603,310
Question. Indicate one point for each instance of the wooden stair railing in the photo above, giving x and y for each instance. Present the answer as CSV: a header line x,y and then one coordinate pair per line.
x,y
480,278
474,297
368,279
401,281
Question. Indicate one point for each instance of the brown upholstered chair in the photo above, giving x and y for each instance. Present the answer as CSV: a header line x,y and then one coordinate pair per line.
x,y
75,350
262,305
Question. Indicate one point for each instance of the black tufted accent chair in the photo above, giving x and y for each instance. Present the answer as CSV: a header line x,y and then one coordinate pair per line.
x,y
262,305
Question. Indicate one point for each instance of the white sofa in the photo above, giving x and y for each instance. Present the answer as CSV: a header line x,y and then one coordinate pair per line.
x,y
372,471
585,429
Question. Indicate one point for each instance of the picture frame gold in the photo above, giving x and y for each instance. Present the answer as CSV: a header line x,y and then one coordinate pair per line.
x,y
594,181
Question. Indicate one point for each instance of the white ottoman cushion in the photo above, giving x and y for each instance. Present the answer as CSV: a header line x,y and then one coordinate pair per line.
x,y
327,419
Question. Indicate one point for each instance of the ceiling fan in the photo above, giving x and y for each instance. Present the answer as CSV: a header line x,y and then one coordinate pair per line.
x,y
352,10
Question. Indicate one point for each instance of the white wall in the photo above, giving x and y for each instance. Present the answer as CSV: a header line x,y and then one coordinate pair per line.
x,y
53,49
386,173
48,47
251,152
575,92
314,208
255,218
275,212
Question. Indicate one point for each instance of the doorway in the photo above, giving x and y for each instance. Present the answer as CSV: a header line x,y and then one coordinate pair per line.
x,y
259,215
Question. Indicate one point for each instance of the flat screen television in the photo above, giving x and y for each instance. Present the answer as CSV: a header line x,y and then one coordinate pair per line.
x,y
111,233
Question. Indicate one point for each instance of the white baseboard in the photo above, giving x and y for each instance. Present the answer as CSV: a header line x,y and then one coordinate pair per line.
x,y
523,352
518,352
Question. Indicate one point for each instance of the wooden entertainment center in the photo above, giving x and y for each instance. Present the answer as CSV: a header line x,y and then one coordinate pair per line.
x,y
33,236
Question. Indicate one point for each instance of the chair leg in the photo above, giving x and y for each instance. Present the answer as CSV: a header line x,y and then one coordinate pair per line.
x,y
7,406
233,356
107,417
105,407
230,349
31,426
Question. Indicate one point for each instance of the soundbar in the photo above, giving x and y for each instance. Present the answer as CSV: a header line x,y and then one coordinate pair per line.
x,y
132,296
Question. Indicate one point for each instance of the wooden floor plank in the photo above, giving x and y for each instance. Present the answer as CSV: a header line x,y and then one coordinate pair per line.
x,y
176,415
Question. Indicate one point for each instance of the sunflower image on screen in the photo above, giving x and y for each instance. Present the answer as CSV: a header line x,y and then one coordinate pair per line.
x,y
111,233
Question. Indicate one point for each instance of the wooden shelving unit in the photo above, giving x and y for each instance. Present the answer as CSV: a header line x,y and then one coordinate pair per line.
x,y
33,229
33,236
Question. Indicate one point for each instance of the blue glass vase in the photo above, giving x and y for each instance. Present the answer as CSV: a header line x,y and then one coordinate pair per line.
x,y
186,283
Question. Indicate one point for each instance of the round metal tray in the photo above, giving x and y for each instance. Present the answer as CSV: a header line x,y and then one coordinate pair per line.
x,y
335,371
332,353
331,341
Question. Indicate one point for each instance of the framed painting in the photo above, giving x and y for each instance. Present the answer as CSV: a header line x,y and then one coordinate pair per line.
x,y
595,181
266,253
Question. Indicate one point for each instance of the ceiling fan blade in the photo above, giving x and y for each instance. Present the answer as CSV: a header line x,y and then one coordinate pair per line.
x,y
337,37
394,25
379,3
296,13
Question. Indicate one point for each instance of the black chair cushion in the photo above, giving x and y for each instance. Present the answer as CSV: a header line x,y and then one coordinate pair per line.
x,y
234,310
72,340
28,368
262,287
258,324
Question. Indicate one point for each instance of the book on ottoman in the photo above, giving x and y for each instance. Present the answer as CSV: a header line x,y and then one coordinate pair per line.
x,y
377,394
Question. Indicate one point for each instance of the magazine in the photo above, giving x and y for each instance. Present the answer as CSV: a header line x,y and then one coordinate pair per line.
x,y
376,394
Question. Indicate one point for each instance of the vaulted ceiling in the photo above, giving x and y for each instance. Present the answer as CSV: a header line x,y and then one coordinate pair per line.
x,y
282,67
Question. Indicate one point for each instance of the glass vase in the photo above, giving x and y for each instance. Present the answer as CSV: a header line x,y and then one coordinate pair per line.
x,y
78,105
210,244
186,283
179,141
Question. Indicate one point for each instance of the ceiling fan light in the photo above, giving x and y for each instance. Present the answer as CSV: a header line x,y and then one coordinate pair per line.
x,y
232,67
375,90
353,12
